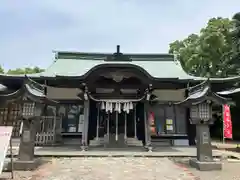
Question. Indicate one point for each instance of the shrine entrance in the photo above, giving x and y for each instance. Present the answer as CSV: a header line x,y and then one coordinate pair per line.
x,y
115,92
118,127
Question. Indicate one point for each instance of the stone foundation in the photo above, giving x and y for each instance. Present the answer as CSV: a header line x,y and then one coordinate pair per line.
x,y
205,166
24,165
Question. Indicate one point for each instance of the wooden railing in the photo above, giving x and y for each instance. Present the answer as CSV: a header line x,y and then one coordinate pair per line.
x,y
46,133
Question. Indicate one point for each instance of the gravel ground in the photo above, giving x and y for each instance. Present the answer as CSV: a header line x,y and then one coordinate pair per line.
x,y
106,168
124,169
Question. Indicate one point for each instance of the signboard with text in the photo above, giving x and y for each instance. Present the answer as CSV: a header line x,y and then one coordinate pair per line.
x,y
5,135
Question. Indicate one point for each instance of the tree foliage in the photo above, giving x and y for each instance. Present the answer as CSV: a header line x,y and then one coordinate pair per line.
x,y
236,38
1,69
22,70
210,52
25,70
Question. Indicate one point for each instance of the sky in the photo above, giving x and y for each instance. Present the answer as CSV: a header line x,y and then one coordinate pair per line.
x,y
31,30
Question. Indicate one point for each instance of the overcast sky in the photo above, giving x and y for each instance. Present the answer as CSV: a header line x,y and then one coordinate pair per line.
x,y
31,30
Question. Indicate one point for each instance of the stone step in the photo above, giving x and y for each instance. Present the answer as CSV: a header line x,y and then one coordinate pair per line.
x,y
71,141
161,142
113,143
97,142
134,142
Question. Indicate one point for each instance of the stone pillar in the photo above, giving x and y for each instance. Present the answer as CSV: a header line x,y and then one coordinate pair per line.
x,y
204,161
85,127
27,142
204,147
26,160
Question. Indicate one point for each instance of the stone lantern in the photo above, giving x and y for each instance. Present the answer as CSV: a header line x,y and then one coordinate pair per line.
x,y
33,102
31,112
199,102
201,116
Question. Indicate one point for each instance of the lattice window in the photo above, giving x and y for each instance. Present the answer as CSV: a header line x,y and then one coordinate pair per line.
x,y
204,111
28,109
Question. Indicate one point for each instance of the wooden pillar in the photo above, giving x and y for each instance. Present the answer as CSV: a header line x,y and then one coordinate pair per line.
x,y
147,127
58,126
86,123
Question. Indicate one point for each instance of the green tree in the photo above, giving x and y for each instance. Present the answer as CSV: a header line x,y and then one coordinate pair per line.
x,y
236,40
236,31
208,53
1,70
25,70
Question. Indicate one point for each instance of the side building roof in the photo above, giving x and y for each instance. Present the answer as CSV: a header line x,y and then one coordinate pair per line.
x,y
203,92
30,89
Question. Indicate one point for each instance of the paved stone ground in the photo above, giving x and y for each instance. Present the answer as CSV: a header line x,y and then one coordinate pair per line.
x,y
126,168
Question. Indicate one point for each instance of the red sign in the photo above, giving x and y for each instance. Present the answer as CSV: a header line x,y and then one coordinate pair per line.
x,y
227,122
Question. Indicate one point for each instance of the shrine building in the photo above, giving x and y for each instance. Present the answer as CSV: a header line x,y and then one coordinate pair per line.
x,y
110,100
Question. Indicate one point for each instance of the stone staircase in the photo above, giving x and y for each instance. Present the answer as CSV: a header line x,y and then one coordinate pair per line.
x,y
97,142
134,142
113,143
71,141
120,143
160,142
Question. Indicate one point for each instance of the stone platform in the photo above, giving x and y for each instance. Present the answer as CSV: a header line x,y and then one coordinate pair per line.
x,y
73,151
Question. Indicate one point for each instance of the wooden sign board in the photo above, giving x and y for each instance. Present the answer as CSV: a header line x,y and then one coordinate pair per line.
x,y
5,135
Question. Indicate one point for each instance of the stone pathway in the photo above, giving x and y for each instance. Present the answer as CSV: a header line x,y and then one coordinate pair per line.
x,y
109,169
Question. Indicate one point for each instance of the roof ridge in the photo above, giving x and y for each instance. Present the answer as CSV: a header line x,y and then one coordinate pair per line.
x,y
103,56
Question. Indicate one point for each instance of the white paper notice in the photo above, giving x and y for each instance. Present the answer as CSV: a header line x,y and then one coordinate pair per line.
x,y
169,127
5,135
